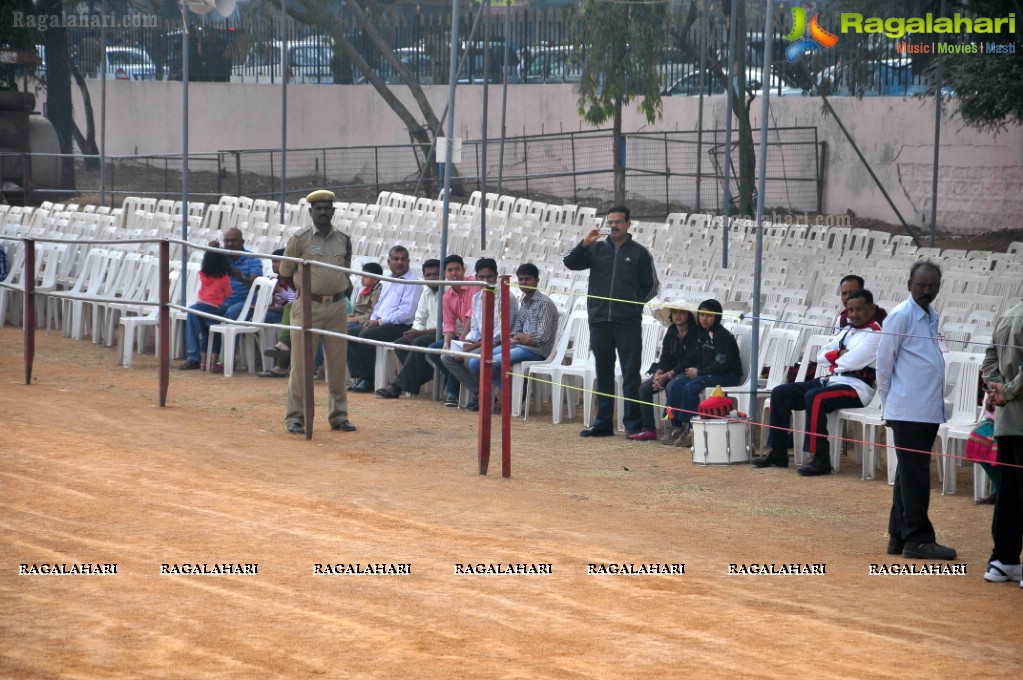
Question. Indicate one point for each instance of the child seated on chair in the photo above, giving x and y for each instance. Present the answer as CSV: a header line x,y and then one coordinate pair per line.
x,y
214,289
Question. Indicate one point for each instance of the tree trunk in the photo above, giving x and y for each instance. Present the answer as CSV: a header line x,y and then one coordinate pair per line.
x,y
58,90
619,154
741,108
87,142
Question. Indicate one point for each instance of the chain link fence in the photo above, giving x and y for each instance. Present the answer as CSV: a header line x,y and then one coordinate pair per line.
x,y
665,172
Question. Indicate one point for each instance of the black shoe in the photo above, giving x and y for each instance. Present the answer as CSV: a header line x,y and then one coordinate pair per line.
x,y
770,460
363,387
594,432
344,426
895,546
296,428
474,404
928,551
190,365
389,392
820,465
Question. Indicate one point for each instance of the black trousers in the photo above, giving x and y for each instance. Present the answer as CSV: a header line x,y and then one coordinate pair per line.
x,y
625,340
1007,525
818,400
362,358
416,371
911,496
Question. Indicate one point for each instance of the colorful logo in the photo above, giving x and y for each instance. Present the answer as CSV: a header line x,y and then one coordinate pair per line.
x,y
801,44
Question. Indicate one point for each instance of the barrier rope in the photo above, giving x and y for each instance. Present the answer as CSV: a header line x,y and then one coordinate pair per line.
x,y
748,422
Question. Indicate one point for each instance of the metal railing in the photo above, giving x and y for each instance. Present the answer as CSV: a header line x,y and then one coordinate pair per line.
x,y
666,172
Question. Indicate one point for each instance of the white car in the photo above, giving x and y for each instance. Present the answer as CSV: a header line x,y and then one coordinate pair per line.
x,y
689,85
309,61
127,63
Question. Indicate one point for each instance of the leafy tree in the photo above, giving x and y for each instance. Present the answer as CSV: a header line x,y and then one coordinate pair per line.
x,y
989,87
624,42
321,13
742,99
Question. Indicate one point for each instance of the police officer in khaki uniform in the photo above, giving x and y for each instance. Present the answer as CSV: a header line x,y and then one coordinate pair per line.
x,y
321,242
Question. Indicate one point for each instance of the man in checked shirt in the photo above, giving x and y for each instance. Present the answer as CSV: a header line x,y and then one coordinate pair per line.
x,y
534,328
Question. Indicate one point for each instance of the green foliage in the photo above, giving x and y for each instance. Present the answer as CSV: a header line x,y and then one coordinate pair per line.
x,y
624,40
16,38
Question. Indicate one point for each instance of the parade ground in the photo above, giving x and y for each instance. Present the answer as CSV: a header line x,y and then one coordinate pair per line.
x,y
240,551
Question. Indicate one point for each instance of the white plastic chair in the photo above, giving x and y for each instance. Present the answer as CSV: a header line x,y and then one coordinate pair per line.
x,y
965,412
576,333
259,298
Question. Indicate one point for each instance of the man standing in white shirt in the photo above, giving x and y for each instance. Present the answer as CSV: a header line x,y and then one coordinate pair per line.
x,y
911,383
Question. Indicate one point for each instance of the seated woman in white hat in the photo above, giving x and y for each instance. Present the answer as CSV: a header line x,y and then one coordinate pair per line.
x,y
677,352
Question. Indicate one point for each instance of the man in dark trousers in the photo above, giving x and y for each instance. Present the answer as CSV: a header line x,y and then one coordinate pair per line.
x,y
622,279
911,382
1003,372
320,242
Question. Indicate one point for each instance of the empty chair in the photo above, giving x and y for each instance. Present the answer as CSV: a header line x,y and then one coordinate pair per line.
x,y
965,413
575,338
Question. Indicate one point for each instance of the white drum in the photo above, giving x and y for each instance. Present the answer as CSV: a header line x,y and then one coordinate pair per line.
x,y
720,442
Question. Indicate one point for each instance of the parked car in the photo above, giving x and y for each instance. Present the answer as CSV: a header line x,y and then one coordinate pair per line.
x,y
689,85
416,60
309,61
127,63
884,78
555,64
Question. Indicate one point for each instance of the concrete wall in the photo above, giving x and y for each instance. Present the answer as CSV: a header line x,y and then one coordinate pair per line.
x,y
980,178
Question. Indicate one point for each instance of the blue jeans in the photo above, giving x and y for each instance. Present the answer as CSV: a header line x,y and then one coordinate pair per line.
x,y
684,394
518,354
198,328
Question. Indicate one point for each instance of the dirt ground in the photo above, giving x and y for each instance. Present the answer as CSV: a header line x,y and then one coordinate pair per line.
x,y
94,471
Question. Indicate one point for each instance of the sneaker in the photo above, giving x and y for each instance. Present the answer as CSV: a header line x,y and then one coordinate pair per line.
x,y
474,404
644,436
999,572
189,365
451,402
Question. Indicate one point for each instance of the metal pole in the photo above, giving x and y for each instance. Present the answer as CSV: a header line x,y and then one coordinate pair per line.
x,y
699,111
870,170
184,153
449,146
504,97
761,186
284,119
103,109
486,102
937,146
728,133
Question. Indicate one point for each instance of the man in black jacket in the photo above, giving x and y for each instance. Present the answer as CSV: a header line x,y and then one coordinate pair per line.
x,y
622,279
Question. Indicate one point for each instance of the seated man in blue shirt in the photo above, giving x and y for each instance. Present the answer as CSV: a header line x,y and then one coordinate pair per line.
x,y
244,270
